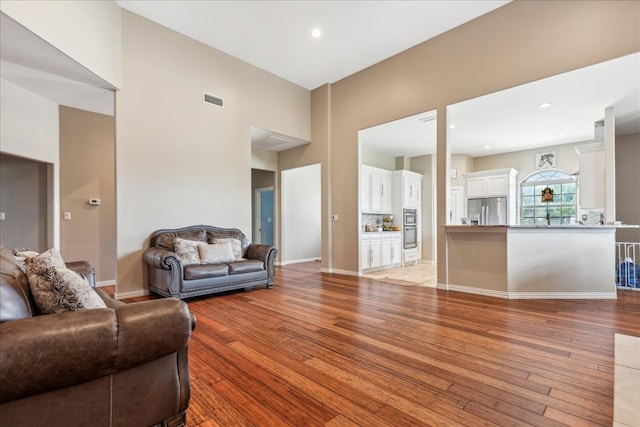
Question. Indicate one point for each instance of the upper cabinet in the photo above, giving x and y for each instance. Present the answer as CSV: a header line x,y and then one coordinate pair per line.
x,y
407,189
491,183
592,175
375,190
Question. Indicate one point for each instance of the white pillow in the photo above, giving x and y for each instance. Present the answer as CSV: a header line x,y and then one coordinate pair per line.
x,y
187,251
235,245
216,253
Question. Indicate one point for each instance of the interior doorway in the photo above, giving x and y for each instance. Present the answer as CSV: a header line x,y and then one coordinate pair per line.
x,y
263,215
263,201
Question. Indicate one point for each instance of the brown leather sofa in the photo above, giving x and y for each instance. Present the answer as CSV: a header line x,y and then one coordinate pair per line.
x,y
124,365
167,276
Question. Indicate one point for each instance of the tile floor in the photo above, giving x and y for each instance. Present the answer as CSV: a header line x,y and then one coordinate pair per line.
x,y
626,388
422,274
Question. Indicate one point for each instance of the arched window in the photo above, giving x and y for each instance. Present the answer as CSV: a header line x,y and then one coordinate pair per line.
x,y
559,202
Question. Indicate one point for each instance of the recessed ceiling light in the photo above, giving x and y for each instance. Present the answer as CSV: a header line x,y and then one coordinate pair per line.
x,y
486,147
452,126
563,134
545,105
316,33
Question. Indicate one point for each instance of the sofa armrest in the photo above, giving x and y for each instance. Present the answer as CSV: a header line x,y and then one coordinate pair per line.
x,y
266,254
85,269
76,347
259,252
161,258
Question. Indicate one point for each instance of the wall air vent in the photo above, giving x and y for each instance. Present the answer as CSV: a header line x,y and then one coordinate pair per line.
x,y
211,99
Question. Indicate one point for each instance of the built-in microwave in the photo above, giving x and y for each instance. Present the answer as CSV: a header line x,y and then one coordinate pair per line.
x,y
410,228
410,217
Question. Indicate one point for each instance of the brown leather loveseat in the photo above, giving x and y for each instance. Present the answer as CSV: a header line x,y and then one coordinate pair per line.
x,y
170,275
124,365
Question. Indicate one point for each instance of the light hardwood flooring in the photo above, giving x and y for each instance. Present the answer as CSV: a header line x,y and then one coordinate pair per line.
x,y
331,350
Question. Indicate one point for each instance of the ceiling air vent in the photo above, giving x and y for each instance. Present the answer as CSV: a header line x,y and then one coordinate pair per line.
x,y
211,99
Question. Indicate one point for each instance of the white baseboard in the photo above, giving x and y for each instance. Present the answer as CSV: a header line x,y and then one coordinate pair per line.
x,y
527,295
298,261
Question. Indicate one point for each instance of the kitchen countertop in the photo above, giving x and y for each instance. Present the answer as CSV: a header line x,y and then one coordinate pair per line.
x,y
569,226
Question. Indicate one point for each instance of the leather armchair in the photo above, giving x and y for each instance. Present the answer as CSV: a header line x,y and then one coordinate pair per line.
x,y
124,365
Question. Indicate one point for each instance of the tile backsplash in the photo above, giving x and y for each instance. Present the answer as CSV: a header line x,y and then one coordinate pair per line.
x,y
375,219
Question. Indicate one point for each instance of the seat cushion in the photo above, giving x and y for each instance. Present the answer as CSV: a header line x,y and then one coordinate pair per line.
x,y
246,266
202,271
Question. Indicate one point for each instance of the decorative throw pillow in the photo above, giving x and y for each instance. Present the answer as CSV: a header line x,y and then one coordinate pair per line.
x,y
187,251
21,256
59,289
216,253
236,246
51,258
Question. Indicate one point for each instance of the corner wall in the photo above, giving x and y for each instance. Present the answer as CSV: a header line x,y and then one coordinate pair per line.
x,y
87,171
180,161
496,51
628,186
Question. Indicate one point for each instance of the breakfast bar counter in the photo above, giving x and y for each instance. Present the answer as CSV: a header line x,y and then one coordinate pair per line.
x,y
515,261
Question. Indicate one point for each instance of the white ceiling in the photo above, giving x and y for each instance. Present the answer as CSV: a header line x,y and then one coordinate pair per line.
x,y
33,64
510,120
276,35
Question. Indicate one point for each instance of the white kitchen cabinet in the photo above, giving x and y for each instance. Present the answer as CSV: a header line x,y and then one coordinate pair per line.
x,y
370,251
491,183
591,180
396,248
407,190
375,190
411,255
378,250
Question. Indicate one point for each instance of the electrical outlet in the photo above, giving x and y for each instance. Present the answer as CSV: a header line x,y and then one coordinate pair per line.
x,y
67,216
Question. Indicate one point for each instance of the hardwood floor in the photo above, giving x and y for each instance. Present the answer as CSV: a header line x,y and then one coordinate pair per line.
x,y
332,350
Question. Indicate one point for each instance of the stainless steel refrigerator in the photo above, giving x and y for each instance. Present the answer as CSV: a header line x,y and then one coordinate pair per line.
x,y
488,211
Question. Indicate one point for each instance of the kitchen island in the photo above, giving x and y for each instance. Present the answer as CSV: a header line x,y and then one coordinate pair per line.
x,y
516,261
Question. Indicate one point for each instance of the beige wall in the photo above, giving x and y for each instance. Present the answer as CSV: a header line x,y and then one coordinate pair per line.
x,y
87,171
524,161
179,161
498,50
376,159
23,199
628,185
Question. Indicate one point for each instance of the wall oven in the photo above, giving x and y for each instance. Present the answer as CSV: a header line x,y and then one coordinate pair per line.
x,y
410,228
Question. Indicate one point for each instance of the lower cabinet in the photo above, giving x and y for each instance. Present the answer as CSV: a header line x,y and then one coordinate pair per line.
x,y
411,255
379,250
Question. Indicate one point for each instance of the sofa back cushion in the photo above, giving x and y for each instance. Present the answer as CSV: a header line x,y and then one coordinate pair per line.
x,y
15,296
165,239
220,235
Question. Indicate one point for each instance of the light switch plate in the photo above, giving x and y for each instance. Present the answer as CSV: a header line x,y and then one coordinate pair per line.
x,y
67,216
2,216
